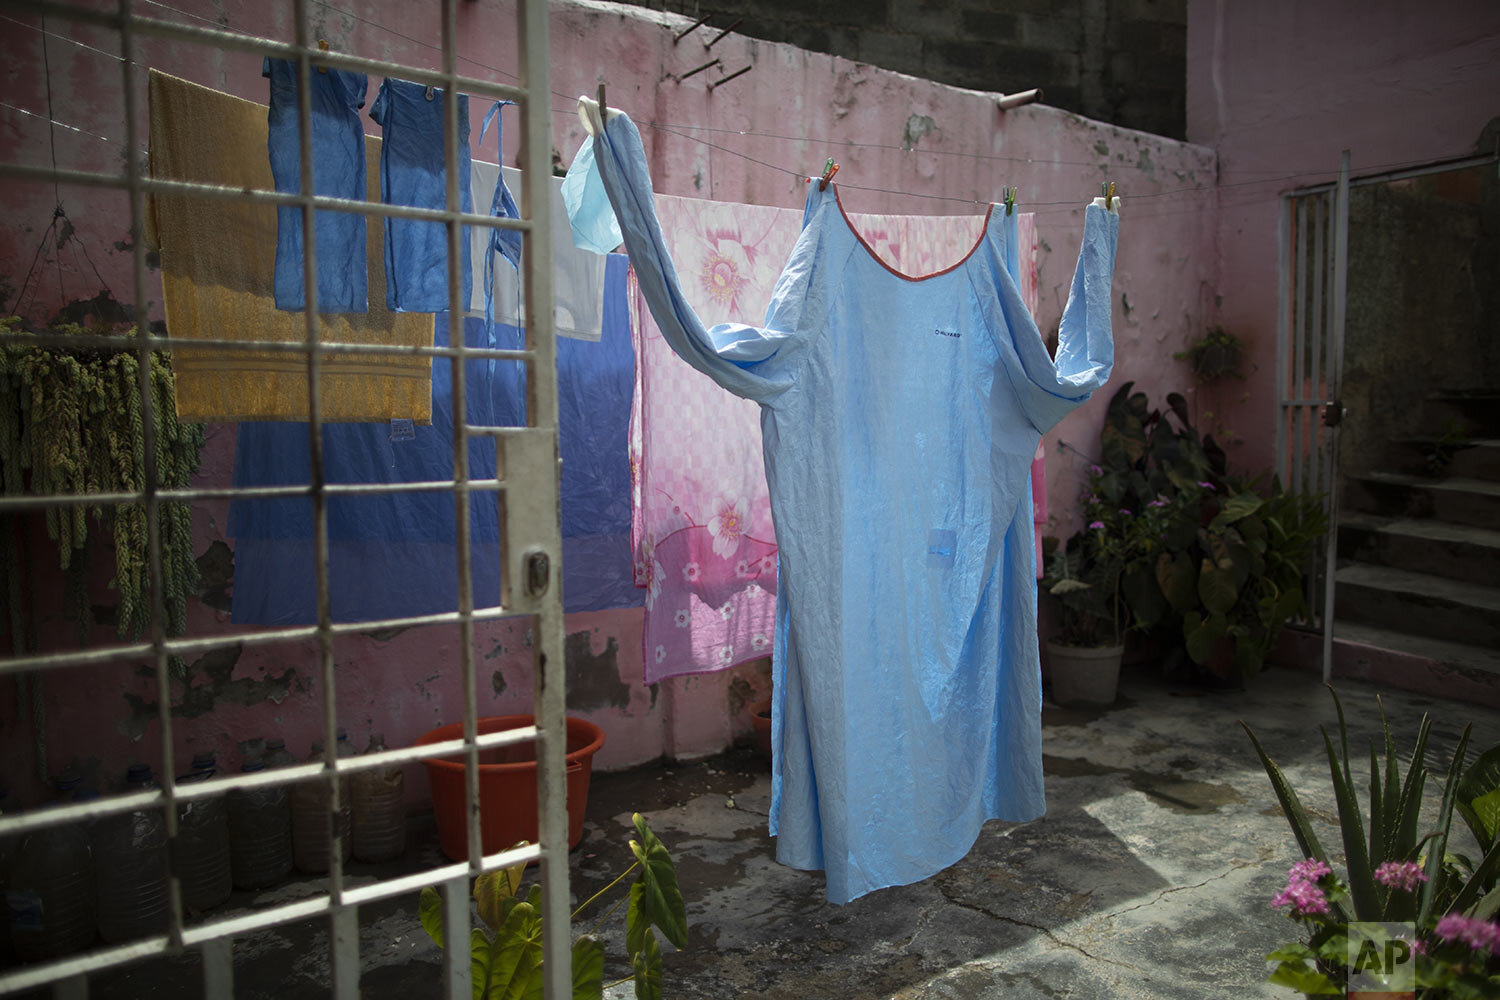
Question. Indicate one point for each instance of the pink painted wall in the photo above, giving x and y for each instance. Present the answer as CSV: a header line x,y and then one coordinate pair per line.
x,y
905,145
1278,89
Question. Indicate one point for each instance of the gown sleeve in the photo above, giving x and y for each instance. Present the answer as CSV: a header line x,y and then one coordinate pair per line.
x,y
758,363
1050,388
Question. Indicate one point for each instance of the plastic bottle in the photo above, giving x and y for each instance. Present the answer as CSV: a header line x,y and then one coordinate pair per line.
x,y
379,809
310,807
260,832
130,853
51,891
203,842
276,753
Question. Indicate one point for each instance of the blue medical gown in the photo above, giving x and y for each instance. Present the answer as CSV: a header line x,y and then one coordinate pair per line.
x,y
413,172
338,153
899,420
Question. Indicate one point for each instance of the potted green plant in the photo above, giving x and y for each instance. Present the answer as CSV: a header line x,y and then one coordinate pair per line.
x,y
1214,356
1083,577
1447,901
1216,564
506,949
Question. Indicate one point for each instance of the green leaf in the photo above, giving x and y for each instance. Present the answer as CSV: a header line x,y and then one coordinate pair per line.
x,y
1487,906
1142,594
491,889
1300,976
661,901
480,960
430,912
636,926
1178,580
1216,588
1362,886
1241,505
647,965
1436,875
1296,815
1296,951
588,968
1200,635
1334,948
516,966
1483,877
1408,810
1478,798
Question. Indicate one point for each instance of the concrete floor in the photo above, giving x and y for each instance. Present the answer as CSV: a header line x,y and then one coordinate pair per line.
x,y
1150,876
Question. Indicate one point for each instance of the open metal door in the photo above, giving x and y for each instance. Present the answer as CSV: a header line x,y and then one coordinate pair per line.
x,y
1314,243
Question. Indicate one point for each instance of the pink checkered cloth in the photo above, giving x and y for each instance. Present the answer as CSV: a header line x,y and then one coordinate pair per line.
x,y
701,529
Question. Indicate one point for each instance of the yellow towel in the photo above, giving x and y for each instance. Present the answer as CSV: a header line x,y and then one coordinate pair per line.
x,y
218,259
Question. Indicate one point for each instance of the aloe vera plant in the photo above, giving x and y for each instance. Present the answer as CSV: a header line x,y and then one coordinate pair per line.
x,y
1388,832
506,954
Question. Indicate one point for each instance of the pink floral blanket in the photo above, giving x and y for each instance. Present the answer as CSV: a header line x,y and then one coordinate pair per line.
x,y
705,550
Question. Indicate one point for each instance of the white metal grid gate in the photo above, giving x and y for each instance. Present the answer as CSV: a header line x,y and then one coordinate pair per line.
x,y
1314,240
526,481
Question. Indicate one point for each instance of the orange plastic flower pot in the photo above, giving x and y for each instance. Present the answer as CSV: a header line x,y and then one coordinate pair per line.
x,y
507,785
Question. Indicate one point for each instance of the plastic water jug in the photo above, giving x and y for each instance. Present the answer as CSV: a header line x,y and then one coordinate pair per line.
x,y
203,842
310,807
260,833
130,862
379,809
50,897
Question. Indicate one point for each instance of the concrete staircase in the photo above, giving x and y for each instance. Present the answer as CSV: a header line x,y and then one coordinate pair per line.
x,y
1417,602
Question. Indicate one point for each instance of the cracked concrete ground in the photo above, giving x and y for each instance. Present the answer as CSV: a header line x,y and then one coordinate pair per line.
x,y
1150,876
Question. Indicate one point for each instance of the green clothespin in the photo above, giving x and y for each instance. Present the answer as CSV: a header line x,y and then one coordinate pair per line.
x,y
1010,199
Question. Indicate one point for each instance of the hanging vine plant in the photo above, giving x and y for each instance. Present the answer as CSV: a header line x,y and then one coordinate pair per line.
x,y
71,422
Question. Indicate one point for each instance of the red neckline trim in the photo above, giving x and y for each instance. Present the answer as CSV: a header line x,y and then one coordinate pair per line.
x,y
983,232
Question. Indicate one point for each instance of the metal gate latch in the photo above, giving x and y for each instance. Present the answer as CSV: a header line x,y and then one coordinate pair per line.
x,y
538,573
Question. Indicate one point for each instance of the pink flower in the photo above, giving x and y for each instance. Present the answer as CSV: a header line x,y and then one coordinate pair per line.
x,y
1305,898
1310,870
1481,935
1124,512
1403,875
1096,525
691,572
727,525
1096,470
1206,486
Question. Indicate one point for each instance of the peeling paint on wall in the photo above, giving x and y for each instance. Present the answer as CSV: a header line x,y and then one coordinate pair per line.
x,y
594,679
215,669
216,575
916,127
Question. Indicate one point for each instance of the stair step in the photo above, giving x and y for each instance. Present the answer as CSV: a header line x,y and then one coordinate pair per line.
x,y
1460,551
1432,667
1418,604
1453,498
1473,458
1473,413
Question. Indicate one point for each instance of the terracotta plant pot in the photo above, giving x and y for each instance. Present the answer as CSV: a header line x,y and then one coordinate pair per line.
x,y
1084,674
760,718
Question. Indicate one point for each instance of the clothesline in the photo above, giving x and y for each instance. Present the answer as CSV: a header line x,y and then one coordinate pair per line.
x,y
674,128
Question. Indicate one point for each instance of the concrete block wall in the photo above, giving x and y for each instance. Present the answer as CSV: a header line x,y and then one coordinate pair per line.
x,y
1119,61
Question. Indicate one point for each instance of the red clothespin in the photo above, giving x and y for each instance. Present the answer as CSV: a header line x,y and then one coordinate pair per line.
x,y
829,169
